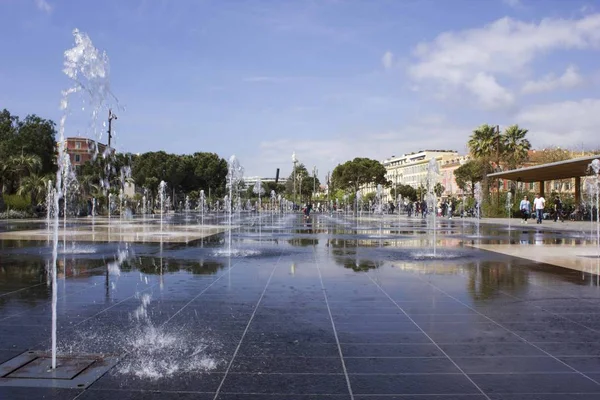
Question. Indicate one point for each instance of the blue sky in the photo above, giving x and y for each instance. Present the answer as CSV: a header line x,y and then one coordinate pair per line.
x,y
328,79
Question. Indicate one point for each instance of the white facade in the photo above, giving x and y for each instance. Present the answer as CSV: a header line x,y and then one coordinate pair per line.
x,y
411,169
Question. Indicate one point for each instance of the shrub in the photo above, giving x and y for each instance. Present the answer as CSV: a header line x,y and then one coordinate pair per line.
x,y
16,202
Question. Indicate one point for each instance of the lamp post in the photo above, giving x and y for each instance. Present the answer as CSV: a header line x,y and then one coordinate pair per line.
x,y
111,116
294,160
314,181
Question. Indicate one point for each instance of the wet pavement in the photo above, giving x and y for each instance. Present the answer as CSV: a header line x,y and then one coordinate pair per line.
x,y
332,308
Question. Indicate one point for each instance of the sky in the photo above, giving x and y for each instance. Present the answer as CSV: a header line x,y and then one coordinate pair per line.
x,y
330,80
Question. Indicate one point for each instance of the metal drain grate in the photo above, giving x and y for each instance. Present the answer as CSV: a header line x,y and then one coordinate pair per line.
x,y
32,369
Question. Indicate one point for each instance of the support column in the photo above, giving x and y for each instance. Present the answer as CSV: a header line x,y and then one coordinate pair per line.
x,y
577,190
541,183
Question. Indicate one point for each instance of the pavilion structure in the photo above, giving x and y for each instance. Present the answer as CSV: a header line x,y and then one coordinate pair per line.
x,y
567,169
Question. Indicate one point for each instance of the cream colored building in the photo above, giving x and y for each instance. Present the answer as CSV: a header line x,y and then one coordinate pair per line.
x,y
411,169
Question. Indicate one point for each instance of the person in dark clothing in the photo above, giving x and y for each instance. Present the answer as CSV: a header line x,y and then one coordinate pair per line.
x,y
558,210
307,210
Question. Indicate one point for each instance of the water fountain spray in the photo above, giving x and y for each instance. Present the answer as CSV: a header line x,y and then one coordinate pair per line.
x,y
162,190
594,167
478,197
509,205
88,71
235,173
433,172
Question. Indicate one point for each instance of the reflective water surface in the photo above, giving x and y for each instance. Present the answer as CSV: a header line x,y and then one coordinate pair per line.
x,y
334,307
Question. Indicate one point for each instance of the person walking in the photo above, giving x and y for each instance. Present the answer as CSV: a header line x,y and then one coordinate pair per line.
x,y
539,204
525,207
558,210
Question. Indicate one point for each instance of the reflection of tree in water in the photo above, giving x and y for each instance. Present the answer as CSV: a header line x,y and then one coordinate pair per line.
x,y
303,242
488,278
30,273
152,266
345,253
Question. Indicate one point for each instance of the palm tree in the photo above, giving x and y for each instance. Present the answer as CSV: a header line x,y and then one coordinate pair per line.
x,y
36,186
23,165
515,147
483,145
483,142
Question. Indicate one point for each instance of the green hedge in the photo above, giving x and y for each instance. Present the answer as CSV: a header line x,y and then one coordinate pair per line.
x,y
16,202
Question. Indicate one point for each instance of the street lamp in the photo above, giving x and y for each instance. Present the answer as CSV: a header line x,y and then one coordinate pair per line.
x,y
294,160
111,116
314,181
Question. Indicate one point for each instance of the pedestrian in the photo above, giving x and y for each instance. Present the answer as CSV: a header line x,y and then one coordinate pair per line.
x,y
558,209
539,204
525,207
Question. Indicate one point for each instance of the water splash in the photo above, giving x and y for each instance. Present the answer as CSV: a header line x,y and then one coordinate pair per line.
x,y
88,71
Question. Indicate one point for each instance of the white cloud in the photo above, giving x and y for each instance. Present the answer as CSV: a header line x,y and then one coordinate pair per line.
x,y
490,93
567,123
468,59
569,79
387,60
44,6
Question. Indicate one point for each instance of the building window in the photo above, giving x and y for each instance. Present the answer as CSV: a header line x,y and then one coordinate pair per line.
x,y
77,145
77,158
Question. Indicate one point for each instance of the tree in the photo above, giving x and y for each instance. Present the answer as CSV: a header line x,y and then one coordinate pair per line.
x,y
468,174
515,148
406,191
550,155
35,186
438,189
361,171
299,182
483,143
26,146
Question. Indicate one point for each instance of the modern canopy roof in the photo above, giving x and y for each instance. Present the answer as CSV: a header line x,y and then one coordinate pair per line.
x,y
574,168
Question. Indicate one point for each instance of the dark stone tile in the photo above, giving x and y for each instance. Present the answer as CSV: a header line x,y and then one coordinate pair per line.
x,y
288,349
283,396
6,355
309,335
560,336
390,326
474,333
186,382
399,365
571,349
285,384
383,337
412,384
545,396
476,365
29,393
426,397
391,350
299,365
535,383
583,364
496,349
98,394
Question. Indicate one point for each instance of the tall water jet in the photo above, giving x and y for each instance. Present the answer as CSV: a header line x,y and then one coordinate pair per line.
x,y
509,205
186,206
88,72
359,206
49,202
433,172
202,205
162,190
235,173
379,207
594,167
478,196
